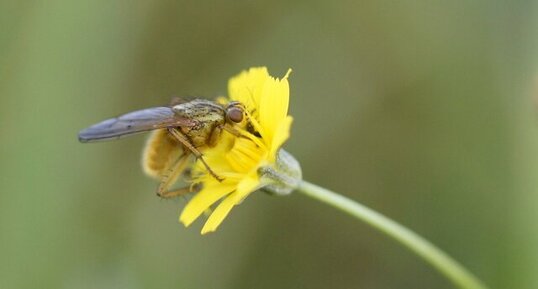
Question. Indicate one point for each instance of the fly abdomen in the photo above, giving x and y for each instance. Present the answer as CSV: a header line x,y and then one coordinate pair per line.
x,y
160,153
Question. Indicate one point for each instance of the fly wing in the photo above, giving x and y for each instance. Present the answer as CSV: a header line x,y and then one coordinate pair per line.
x,y
133,122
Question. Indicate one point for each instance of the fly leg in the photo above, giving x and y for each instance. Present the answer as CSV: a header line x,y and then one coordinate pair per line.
x,y
171,175
231,130
175,193
214,137
185,141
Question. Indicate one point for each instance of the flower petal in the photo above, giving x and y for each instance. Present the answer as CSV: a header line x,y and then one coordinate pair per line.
x,y
203,200
282,133
247,86
244,156
223,209
237,159
273,105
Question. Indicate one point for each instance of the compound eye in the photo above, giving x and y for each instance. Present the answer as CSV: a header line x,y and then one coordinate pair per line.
x,y
235,114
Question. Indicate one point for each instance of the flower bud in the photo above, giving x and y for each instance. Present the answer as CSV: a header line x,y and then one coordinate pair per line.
x,y
283,177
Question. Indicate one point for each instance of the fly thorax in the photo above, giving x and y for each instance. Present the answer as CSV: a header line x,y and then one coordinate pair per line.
x,y
207,115
200,110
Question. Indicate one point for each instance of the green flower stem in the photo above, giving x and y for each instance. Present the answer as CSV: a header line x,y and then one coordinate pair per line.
x,y
422,247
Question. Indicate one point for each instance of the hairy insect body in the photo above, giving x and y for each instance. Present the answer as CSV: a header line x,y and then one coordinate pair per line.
x,y
209,118
163,150
160,152
178,132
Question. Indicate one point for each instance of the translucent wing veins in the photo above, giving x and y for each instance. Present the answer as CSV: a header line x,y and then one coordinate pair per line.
x,y
134,122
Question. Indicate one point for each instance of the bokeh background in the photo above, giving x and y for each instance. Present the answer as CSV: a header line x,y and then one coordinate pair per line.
x,y
423,110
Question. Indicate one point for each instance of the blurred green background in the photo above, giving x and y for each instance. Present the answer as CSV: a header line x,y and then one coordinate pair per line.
x,y
423,110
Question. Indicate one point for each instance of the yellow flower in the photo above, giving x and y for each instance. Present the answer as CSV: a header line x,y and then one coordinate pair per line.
x,y
239,159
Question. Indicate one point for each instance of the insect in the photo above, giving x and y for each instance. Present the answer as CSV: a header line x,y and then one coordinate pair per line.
x,y
178,131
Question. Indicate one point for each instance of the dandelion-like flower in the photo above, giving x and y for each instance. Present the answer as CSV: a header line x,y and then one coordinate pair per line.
x,y
246,157
251,161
